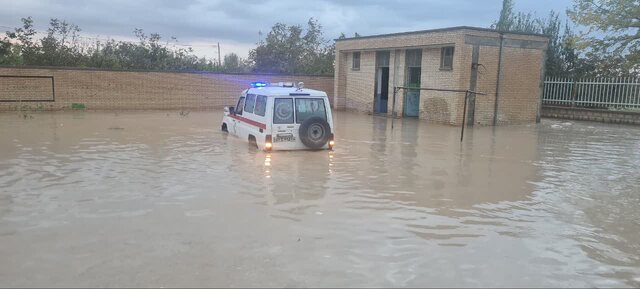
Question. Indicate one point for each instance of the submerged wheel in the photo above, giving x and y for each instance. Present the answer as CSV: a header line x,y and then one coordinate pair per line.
x,y
224,127
315,132
252,141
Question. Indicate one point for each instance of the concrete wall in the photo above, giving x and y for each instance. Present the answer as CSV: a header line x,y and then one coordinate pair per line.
x,y
100,89
624,117
522,61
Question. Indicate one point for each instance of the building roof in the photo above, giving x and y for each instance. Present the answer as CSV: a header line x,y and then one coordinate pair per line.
x,y
443,30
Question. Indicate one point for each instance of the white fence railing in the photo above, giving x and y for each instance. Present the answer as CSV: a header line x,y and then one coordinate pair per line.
x,y
592,93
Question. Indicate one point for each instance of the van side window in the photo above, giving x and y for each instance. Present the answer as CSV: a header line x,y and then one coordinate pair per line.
x,y
249,103
283,110
309,107
261,105
240,106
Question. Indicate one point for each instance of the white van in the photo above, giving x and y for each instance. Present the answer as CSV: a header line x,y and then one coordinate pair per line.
x,y
281,117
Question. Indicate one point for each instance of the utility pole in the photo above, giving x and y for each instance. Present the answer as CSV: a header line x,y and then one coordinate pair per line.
x,y
219,59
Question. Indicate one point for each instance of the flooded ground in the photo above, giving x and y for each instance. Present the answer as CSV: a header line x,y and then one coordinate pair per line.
x,y
159,199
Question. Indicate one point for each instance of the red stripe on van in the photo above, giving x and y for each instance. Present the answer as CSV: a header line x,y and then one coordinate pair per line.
x,y
248,121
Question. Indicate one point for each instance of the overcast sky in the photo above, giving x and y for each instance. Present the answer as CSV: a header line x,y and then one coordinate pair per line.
x,y
235,24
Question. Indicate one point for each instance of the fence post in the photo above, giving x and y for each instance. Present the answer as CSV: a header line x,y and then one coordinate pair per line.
x,y
574,91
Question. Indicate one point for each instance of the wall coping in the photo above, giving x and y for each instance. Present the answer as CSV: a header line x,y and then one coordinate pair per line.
x,y
156,71
591,110
447,29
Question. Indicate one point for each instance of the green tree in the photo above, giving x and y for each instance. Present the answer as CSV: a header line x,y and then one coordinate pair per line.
x,y
561,53
5,50
26,46
235,64
506,16
292,49
61,46
511,21
613,31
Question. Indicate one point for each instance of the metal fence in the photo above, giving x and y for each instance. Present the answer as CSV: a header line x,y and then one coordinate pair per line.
x,y
602,93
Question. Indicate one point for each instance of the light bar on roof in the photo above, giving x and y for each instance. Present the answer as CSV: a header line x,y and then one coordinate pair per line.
x,y
259,84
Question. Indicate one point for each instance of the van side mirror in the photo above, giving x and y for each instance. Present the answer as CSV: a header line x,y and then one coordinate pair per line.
x,y
230,109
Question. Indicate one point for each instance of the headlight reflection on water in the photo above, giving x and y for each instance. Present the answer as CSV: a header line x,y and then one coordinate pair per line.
x,y
267,165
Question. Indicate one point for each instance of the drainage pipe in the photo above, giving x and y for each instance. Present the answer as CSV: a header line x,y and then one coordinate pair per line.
x,y
495,105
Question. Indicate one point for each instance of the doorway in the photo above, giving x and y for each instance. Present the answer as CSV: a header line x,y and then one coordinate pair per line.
x,y
413,76
381,93
382,90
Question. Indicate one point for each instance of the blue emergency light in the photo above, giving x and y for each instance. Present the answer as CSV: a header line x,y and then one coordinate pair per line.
x,y
259,84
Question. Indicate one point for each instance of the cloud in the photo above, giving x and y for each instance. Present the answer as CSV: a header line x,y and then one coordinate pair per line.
x,y
235,24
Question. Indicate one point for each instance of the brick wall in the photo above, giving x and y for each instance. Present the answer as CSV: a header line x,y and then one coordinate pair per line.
x,y
439,106
100,89
340,77
26,89
360,83
519,86
607,116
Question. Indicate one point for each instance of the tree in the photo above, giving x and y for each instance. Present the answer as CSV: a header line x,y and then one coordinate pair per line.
x,y
292,49
233,63
25,44
561,52
511,21
506,16
5,50
613,30
62,47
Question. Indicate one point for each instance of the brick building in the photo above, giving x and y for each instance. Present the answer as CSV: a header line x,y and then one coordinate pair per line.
x,y
507,67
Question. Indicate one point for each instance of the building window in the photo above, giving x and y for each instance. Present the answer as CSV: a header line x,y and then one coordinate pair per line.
x,y
355,64
382,58
446,58
414,67
414,57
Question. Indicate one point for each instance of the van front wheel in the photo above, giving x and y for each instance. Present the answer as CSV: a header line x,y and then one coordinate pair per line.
x,y
315,132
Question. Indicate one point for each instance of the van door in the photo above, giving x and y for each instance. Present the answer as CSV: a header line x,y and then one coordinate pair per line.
x,y
248,125
238,112
284,130
315,133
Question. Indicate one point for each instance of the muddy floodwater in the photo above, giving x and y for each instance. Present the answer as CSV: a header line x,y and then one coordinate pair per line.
x,y
162,199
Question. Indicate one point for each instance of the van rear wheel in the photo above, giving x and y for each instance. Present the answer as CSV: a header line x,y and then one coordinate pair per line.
x,y
252,141
315,132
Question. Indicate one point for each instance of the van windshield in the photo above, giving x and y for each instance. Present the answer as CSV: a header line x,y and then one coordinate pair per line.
x,y
309,107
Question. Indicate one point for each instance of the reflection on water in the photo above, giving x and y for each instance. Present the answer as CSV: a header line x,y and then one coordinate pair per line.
x,y
156,199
